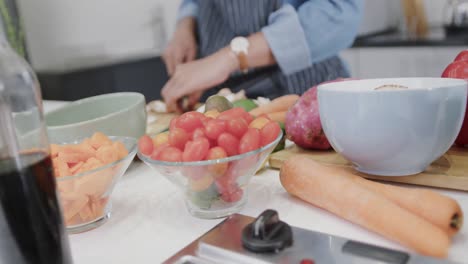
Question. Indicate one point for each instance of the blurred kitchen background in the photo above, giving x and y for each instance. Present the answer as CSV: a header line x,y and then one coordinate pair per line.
x,y
88,47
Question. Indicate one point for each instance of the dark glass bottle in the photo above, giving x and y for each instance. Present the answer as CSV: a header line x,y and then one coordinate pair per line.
x,y
31,225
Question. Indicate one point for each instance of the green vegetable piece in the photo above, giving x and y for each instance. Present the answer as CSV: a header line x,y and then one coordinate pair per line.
x,y
247,104
205,199
282,144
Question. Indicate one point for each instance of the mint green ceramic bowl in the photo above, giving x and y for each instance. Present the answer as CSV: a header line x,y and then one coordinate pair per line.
x,y
115,114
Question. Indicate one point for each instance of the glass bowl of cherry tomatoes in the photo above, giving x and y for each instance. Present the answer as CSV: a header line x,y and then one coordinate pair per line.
x,y
211,157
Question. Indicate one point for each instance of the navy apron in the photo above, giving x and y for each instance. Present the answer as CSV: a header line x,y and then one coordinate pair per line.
x,y
219,21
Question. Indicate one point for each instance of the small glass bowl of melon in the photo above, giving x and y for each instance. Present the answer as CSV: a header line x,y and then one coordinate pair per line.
x,y
87,171
212,160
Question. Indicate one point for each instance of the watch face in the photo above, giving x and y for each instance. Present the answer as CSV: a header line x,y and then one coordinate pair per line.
x,y
240,44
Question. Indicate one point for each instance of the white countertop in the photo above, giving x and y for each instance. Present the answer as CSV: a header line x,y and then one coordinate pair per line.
x,y
149,222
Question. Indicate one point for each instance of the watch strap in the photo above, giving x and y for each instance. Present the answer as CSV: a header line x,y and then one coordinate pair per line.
x,y
243,62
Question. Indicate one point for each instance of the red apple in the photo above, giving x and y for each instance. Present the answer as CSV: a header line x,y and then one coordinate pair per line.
x,y
456,69
462,56
459,70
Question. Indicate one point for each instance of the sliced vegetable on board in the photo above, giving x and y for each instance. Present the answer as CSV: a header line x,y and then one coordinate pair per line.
x,y
280,104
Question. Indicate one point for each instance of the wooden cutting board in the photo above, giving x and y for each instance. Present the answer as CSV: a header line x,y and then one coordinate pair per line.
x,y
450,171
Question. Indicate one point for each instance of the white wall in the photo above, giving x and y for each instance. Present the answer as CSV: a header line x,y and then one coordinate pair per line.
x,y
435,11
67,34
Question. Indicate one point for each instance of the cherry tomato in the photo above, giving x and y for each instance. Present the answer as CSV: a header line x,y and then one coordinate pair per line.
x,y
171,154
233,195
178,137
145,145
237,127
216,153
248,117
196,150
197,133
190,121
214,128
228,187
157,151
232,113
217,170
206,120
160,139
249,141
213,142
226,183
173,123
269,133
229,143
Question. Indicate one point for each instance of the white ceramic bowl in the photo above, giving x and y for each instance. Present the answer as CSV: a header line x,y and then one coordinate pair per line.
x,y
392,132
116,114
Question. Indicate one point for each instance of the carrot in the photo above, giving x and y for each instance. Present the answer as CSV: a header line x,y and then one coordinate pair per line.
x,y
341,195
279,104
438,209
278,116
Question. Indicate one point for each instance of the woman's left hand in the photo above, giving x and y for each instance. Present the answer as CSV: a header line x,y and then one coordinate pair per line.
x,y
192,78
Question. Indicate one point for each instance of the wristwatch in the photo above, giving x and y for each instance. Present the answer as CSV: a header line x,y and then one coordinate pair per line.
x,y
240,48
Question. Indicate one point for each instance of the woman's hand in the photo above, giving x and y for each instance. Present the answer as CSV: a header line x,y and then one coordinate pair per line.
x,y
183,46
191,79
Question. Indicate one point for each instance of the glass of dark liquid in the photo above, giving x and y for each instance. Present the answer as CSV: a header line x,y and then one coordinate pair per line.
x,y
31,225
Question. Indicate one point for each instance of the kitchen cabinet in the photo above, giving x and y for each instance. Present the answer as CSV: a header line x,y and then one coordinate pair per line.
x,y
381,62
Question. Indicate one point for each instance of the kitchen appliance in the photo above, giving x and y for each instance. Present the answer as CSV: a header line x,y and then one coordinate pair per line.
x,y
31,226
456,16
242,239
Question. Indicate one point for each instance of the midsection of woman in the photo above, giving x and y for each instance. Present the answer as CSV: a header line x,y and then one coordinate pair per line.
x,y
293,44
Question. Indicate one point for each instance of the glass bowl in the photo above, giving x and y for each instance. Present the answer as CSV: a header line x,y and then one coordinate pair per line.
x,y
213,188
85,197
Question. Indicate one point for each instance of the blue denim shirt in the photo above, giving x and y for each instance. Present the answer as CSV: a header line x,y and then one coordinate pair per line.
x,y
303,32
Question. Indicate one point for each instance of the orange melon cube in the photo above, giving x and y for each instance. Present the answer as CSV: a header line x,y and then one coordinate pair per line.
x,y
75,220
61,167
54,150
75,157
73,207
107,154
99,139
76,167
86,213
67,188
120,148
86,147
96,183
91,164
98,206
